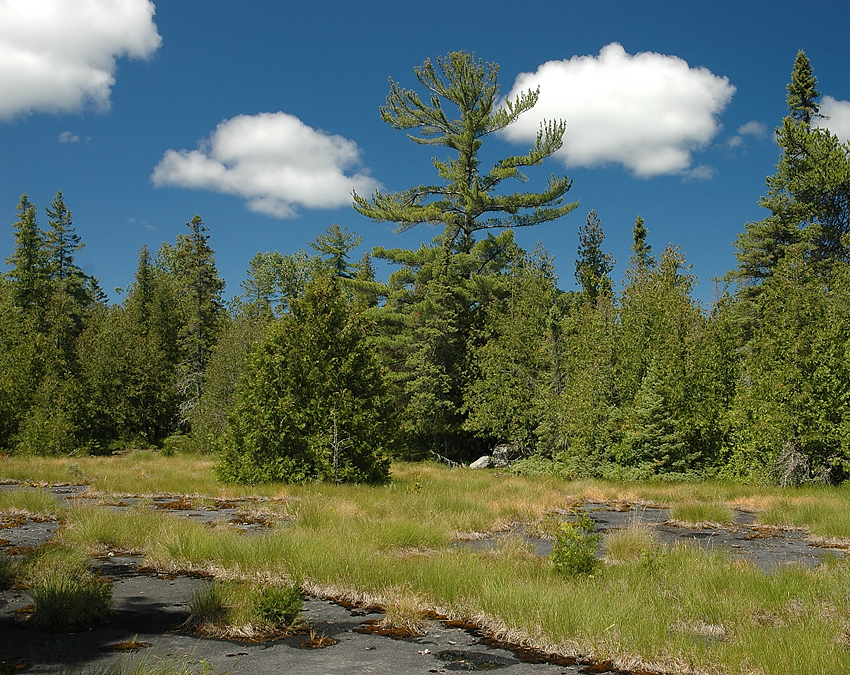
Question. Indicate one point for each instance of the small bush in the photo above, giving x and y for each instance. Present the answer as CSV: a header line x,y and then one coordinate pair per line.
x,y
280,605
575,547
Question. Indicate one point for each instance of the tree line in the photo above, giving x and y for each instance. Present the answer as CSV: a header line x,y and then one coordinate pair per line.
x,y
320,371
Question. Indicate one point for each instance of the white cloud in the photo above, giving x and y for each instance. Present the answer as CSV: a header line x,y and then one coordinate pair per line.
x,y
701,172
751,128
837,115
68,137
59,55
647,112
273,160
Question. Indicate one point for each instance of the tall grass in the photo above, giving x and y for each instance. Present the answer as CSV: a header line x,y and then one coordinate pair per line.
x,y
31,500
677,608
65,593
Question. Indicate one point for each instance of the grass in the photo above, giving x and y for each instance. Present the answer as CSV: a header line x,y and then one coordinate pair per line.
x,y
245,610
629,544
702,513
677,608
30,500
65,593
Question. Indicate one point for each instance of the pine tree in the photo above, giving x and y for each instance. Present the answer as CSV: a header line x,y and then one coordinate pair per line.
x,y
466,202
336,243
593,265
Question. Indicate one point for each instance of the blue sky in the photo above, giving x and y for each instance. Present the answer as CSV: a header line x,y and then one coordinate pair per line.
x,y
261,115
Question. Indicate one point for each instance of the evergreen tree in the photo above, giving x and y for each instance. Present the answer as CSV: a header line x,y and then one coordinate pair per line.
x,y
641,259
788,421
466,202
336,243
802,94
808,196
313,404
514,364
28,276
654,443
593,265
201,289
61,242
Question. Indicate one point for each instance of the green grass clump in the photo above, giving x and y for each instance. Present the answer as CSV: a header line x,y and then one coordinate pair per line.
x,y
629,544
234,609
701,512
32,500
65,593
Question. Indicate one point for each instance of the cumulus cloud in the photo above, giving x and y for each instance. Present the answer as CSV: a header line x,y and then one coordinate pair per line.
x,y
273,160
752,128
68,137
648,112
837,117
59,55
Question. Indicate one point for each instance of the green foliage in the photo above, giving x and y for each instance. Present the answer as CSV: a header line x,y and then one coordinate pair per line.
x,y
65,593
802,95
224,608
336,243
280,605
313,404
200,289
593,265
789,418
466,196
575,548
515,361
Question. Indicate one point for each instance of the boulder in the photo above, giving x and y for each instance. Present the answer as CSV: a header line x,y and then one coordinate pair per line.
x,y
482,462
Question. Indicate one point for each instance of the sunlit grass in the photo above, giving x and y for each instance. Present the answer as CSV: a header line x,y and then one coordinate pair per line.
x,y
31,500
698,513
677,608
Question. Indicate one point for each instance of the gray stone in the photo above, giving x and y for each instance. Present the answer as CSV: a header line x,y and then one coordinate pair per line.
x,y
482,462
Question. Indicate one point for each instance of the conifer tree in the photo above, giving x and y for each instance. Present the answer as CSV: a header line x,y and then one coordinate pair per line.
x,y
641,259
465,202
201,289
28,276
593,265
808,196
313,404
336,243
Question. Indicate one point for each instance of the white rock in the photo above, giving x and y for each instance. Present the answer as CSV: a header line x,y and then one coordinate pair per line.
x,y
481,462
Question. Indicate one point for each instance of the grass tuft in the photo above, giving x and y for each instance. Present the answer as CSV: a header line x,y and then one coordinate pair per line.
x,y
65,593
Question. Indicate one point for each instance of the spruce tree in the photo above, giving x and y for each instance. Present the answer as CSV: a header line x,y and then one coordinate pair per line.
x,y
28,276
808,197
593,265
201,289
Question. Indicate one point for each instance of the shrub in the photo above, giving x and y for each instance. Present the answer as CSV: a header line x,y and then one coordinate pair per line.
x,y
280,605
575,547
